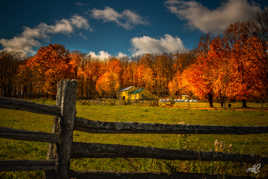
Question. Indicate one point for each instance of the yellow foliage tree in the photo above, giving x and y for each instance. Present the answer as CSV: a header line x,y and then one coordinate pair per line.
x,y
108,84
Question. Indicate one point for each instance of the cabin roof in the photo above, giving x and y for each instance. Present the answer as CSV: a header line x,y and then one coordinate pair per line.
x,y
137,91
126,89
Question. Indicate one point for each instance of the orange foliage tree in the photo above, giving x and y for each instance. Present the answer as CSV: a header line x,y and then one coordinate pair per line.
x,y
163,73
128,74
218,57
144,76
197,78
248,63
234,66
180,62
248,70
51,64
114,65
175,85
108,84
88,73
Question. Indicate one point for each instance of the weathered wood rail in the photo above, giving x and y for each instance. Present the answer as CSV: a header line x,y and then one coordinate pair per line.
x,y
95,150
178,175
58,163
28,135
62,148
90,126
11,103
13,165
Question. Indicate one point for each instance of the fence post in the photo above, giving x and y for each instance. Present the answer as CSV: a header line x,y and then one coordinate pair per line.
x,y
51,174
63,127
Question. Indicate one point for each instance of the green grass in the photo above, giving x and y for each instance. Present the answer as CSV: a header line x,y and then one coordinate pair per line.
x,y
245,144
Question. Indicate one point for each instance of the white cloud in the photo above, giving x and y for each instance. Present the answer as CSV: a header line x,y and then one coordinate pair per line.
x,y
79,22
121,55
216,20
108,14
63,26
127,19
30,37
102,55
166,44
133,17
21,45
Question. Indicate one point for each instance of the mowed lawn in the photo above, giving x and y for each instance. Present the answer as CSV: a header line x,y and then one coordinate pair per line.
x,y
244,144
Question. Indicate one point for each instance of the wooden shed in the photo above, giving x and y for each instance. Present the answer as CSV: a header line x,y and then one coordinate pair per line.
x,y
132,93
124,94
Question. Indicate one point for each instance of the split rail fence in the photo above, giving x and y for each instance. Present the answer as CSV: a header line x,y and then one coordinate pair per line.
x,y
62,148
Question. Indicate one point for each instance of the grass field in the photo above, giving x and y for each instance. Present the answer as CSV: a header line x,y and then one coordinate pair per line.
x,y
244,144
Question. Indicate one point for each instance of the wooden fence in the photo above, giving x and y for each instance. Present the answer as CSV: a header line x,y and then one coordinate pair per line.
x,y
62,148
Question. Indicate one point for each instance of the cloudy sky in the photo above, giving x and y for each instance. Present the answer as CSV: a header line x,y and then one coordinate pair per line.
x,y
117,27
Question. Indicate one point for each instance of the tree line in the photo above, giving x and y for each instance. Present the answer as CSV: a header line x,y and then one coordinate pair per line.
x,y
38,75
232,65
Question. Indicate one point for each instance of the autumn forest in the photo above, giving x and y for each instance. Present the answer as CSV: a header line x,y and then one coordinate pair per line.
x,y
229,66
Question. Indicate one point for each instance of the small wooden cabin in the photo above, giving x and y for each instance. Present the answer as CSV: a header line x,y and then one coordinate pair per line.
x,y
132,93
185,97
125,93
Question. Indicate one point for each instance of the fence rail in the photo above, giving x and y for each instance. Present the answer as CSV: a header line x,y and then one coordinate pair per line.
x,y
11,103
28,135
90,126
94,150
12,165
62,148
109,175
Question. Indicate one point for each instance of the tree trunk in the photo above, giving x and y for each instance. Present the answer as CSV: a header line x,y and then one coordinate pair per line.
x,y
210,100
244,103
222,103
262,104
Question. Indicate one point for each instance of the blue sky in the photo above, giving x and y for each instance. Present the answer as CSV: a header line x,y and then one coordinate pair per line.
x,y
113,26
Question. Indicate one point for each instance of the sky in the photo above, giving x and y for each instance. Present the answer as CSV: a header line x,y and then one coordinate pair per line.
x,y
103,28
